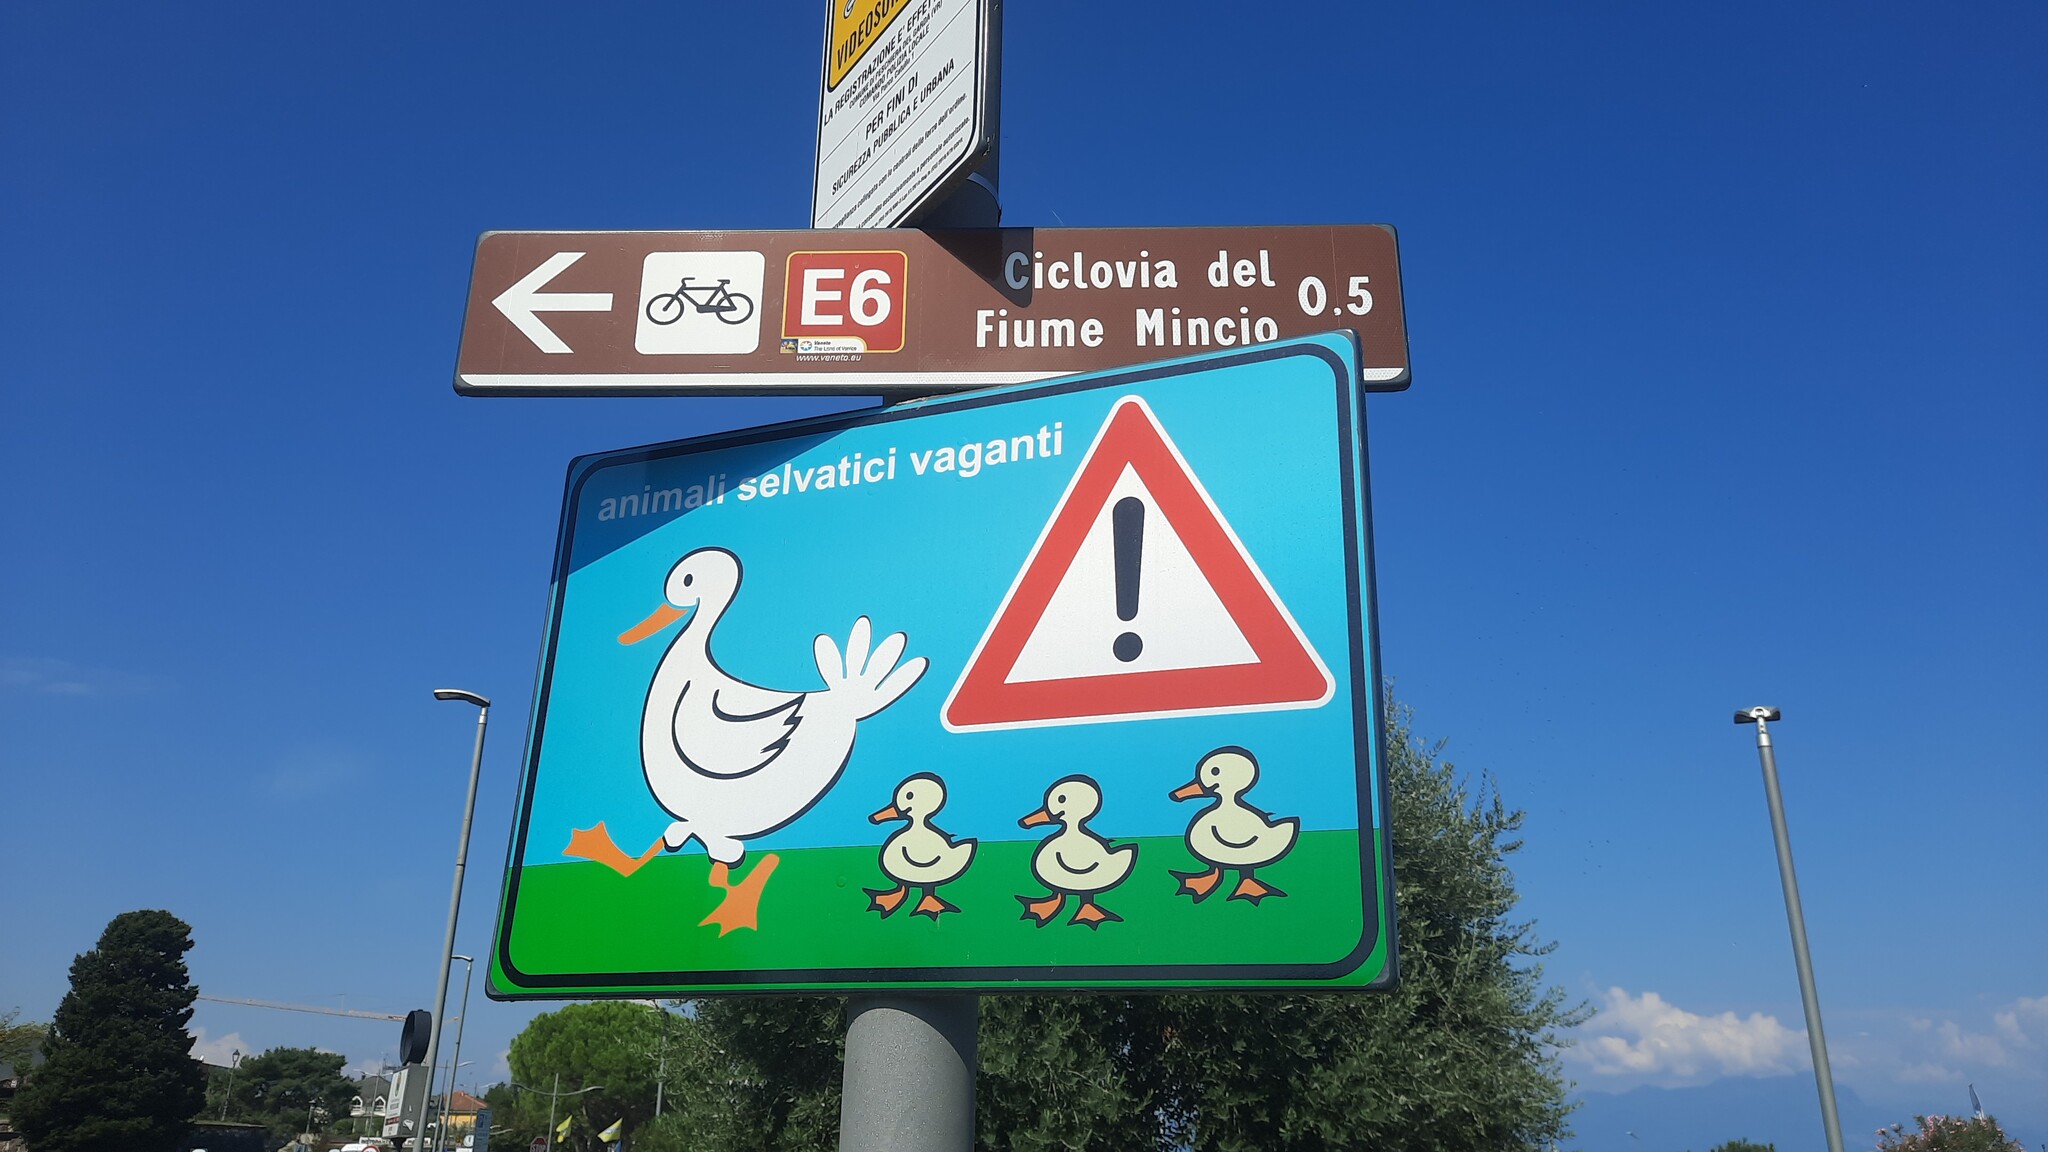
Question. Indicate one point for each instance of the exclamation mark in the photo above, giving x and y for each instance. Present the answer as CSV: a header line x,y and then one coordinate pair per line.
x,y
1127,533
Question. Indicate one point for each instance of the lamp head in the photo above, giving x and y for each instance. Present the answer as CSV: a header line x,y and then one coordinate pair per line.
x,y
459,694
1752,715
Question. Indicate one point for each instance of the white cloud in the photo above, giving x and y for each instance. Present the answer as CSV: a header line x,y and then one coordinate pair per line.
x,y
1648,1039
316,770
2002,1049
47,677
221,1051
2019,1032
1924,1073
2024,1025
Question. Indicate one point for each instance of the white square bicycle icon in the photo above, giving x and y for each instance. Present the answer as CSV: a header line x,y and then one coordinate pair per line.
x,y
700,303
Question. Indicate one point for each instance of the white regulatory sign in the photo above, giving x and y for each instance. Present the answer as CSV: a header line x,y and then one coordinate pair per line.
x,y
904,111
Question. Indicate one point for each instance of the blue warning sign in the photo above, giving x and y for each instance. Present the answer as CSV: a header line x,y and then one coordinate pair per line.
x,y
775,655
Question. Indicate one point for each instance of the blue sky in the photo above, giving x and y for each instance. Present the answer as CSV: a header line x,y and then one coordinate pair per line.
x,y
1725,323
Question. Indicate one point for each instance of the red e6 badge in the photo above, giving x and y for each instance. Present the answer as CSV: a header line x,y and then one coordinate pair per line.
x,y
846,301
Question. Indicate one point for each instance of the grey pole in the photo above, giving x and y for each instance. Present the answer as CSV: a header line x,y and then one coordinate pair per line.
x,y
234,1062
661,1071
455,1061
552,1097
1815,1039
557,1094
908,1082
476,763
976,203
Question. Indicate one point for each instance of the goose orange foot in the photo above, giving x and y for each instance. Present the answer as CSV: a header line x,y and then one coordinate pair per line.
x,y
1093,914
1200,885
885,900
932,905
1042,910
597,844
1253,890
741,905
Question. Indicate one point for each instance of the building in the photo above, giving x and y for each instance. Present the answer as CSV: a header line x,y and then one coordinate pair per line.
x,y
463,1113
369,1106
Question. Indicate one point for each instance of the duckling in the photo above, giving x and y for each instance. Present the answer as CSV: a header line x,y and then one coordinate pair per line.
x,y
921,855
1231,833
1074,861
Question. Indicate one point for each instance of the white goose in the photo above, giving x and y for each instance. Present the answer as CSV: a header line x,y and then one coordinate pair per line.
x,y
730,760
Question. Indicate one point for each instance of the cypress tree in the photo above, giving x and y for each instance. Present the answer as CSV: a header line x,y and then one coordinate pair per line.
x,y
118,1073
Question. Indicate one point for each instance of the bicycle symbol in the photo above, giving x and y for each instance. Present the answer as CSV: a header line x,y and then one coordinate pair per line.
x,y
716,300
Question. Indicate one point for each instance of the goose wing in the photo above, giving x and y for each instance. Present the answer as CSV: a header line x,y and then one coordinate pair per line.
x,y
731,729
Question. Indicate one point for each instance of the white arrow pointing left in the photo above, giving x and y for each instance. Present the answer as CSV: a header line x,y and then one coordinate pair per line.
x,y
522,300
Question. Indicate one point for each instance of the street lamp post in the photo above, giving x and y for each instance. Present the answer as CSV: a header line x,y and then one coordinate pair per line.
x,y
552,1096
1823,1079
483,717
234,1062
557,1094
455,1061
446,1126
661,1069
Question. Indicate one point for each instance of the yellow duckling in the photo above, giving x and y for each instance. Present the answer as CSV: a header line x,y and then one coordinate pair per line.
x,y
1231,833
920,855
1074,861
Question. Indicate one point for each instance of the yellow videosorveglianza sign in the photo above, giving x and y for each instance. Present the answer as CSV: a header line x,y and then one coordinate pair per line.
x,y
856,25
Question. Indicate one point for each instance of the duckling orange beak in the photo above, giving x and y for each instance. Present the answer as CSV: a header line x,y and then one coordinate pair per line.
x,y
1188,791
661,618
889,813
1036,818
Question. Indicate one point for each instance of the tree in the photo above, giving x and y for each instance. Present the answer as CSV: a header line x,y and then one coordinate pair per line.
x,y
19,1042
286,1089
19,1045
1460,1056
118,1073
760,1075
1743,1146
509,1127
1948,1134
613,1043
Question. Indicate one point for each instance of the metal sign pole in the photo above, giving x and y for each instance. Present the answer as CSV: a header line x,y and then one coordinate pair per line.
x,y
976,203
909,1075
908,1081
1815,1039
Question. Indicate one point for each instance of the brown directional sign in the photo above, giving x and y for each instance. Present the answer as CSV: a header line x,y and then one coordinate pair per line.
x,y
905,310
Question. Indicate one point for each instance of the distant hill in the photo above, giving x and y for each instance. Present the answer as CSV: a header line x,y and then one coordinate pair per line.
x,y
1780,1110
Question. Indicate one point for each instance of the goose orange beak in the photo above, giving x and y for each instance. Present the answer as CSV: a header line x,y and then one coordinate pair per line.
x,y
889,813
1036,818
1188,791
661,618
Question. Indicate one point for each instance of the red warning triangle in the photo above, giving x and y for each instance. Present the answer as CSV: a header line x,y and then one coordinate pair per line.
x,y
1218,640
